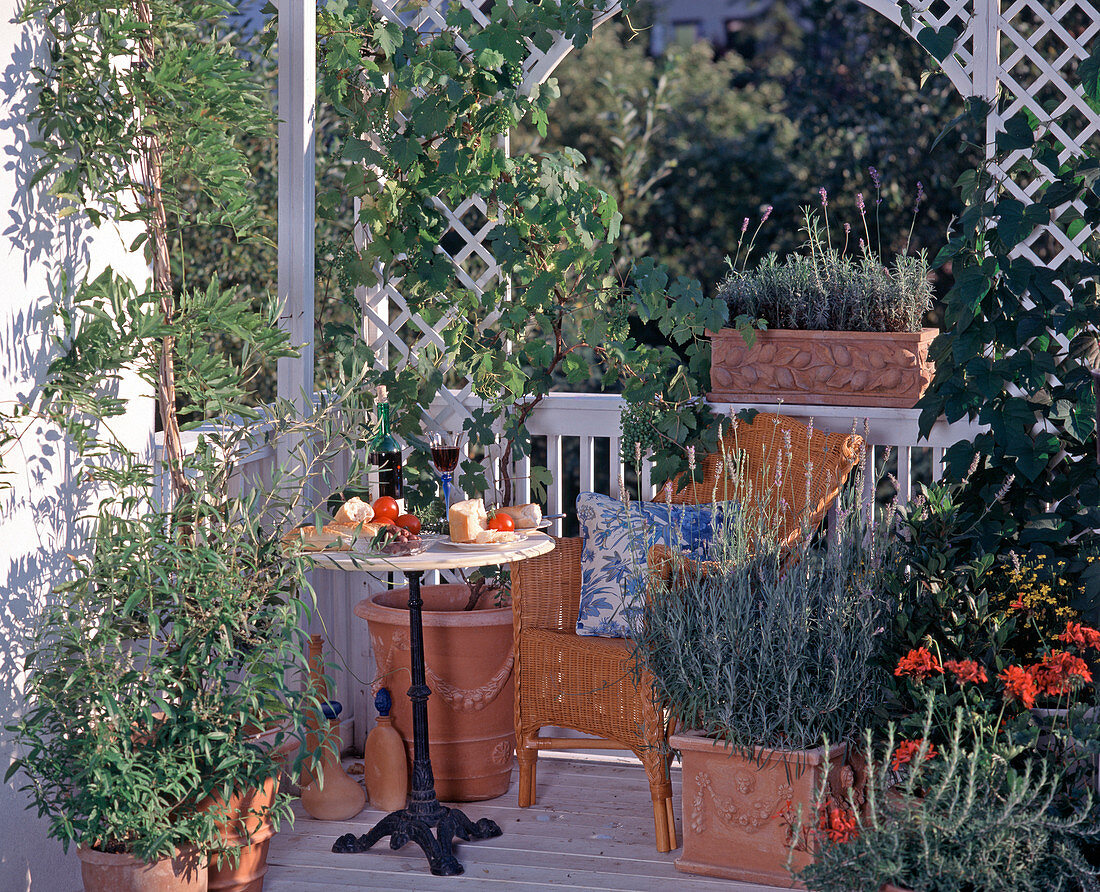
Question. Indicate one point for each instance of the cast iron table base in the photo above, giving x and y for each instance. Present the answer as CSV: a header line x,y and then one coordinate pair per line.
x,y
423,813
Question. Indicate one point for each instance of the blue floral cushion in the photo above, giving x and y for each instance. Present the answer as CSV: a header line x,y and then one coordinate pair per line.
x,y
617,538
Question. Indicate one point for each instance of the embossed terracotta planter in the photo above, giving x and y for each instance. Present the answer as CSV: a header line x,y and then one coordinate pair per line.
x,y
468,661
739,813
104,872
828,368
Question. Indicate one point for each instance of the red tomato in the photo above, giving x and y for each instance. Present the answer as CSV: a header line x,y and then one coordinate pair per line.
x,y
386,510
502,522
410,522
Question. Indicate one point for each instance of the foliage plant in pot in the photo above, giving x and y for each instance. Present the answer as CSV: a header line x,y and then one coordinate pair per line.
x,y
760,654
940,820
834,326
468,659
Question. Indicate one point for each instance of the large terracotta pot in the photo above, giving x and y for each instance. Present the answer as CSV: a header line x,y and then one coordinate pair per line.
x,y
739,813
102,872
468,663
246,818
828,368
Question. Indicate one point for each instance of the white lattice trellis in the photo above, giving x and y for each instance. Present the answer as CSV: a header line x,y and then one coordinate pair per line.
x,y
1018,57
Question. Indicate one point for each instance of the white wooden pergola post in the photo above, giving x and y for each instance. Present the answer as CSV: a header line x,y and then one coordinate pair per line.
x,y
297,165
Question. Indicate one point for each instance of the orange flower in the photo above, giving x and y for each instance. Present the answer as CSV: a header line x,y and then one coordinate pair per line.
x,y
906,750
1020,685
1061,673
919,663
967,670
839,824
1081,635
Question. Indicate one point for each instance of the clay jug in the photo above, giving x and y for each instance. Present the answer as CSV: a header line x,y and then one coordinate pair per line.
x,y
384,767
330,794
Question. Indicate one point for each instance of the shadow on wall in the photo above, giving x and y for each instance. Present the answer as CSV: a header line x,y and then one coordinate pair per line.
x,y
44,494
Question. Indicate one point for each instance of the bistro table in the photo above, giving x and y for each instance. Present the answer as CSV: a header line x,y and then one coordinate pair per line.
x,y
415,822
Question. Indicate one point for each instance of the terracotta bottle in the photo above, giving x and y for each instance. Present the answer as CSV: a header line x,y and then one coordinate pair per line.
x,y
336,796
384,766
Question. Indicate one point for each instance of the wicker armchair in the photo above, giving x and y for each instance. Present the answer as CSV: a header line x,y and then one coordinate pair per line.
x,y
588,684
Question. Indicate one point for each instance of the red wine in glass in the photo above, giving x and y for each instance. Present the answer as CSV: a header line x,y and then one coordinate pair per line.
x,y
445,458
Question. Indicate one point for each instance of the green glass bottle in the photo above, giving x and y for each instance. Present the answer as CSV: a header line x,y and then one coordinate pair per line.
x,y
386,453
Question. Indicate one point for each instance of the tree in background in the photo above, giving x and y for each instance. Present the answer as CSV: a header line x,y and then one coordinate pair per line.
x,y
690,144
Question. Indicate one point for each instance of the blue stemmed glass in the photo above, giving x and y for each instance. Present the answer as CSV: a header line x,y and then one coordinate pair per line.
x,y
445,454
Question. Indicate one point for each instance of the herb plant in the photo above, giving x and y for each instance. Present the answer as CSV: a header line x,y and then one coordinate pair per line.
x,y
958,819
768,645
830,289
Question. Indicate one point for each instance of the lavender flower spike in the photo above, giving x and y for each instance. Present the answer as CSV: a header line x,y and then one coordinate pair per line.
x,y
691,458
767,213
847,228
744,225
860,204
875,177
824,197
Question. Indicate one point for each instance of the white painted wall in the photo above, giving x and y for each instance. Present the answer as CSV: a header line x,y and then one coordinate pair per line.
x,y
46,495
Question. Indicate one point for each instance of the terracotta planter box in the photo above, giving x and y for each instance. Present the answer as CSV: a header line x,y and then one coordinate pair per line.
x,y
468,661
738,813
828,368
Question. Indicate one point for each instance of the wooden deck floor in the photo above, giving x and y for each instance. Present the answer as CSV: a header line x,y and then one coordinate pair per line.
x,y
592,828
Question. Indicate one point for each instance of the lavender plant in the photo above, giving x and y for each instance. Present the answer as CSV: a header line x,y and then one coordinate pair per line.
x,y
767,643
830,288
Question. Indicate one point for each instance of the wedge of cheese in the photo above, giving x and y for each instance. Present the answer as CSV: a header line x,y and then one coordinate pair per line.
x,y
467,519
495,537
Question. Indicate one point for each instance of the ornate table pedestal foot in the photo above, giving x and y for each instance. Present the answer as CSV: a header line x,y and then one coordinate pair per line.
x,y
403,827
415,823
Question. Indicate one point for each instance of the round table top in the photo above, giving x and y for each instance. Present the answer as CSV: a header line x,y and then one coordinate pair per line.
x,y
437,557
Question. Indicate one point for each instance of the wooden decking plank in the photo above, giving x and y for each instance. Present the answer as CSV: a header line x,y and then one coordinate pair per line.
x,y
592,829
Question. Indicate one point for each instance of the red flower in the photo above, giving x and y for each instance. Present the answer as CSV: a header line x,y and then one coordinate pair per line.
x,y
967,670
1081,635
839,824
1020,685
906,750
1061,673
919,663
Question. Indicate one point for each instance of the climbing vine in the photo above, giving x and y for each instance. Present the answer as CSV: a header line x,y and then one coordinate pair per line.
x,y
426,114
1020,339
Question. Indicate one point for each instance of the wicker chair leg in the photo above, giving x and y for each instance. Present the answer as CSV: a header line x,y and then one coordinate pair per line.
x,y
672,844
528,760
660,825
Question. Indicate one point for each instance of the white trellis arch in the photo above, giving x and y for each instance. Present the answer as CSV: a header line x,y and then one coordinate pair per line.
x,y
1018,55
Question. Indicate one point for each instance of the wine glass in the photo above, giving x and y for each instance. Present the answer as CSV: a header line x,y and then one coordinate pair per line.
x,y
445,452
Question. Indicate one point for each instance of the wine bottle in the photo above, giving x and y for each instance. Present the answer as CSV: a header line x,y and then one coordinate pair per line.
x,y
386,454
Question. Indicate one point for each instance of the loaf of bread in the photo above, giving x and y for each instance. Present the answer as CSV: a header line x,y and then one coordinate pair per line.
x,y
467,519
495,537
525,517
354,510
330,537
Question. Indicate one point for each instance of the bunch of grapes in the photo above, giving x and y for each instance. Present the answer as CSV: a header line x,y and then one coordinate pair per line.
x,y
639,424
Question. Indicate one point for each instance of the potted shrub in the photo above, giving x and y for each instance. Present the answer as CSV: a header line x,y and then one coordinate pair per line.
x,y
760,654
963,818
146,680
468,660
832,327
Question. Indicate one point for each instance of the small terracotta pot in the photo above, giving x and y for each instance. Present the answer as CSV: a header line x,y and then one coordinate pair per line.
x,y
468,662
103,872
246,817
739,813
828,368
